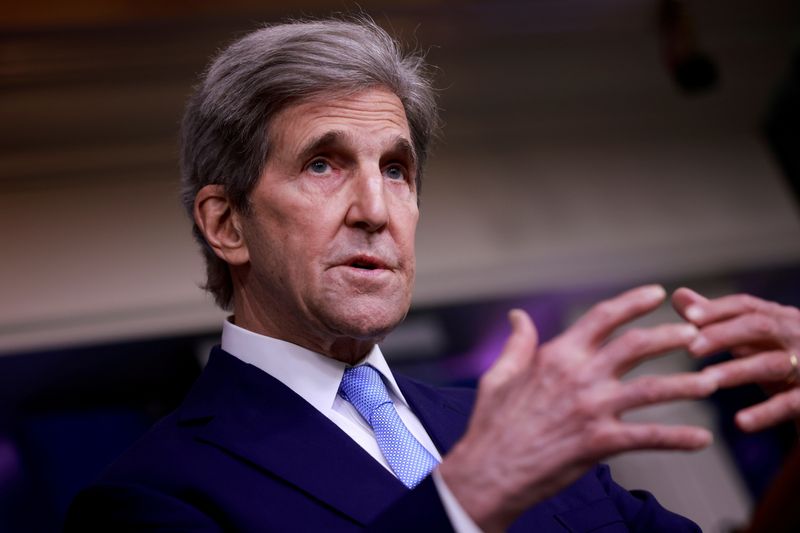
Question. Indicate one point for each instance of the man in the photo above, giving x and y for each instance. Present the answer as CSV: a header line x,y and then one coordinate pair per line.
x,y
303,150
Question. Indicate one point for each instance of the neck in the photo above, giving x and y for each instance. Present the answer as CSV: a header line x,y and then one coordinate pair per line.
x,y
342,348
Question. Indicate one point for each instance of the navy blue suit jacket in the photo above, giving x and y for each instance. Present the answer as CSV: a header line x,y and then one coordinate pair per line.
x,y
245,453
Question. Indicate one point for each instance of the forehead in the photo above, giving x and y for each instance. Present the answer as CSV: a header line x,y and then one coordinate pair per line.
x,y
373,114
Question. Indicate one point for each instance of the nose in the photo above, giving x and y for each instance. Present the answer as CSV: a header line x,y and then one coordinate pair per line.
x,y
368,209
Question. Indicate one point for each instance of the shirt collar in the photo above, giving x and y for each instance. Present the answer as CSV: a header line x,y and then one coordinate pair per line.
x,y
315,377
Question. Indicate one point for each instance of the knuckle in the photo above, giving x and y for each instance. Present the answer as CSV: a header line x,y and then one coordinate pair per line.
x,y
605,310
598,435
749,302
558,361
587,377
773,308
585,407
776,366
635,339
659,439
791,314
647,389
762,325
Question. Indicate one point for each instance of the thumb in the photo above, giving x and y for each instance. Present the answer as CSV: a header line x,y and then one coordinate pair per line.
x,y
520,346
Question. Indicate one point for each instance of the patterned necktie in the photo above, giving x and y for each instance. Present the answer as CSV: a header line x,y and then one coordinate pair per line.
x,y
363,387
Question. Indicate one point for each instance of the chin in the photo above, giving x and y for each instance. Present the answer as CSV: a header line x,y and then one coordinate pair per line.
x,y
371,323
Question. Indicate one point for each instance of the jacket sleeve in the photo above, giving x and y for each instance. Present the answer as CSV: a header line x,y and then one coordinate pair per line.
x,y
128,508
641,511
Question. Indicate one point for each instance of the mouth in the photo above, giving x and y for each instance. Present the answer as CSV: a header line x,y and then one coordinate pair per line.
x,y
365,262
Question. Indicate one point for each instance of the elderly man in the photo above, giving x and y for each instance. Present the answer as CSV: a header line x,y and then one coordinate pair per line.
x,y
303,150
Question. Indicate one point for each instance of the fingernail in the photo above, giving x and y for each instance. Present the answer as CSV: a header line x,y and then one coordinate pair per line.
x,y
713,374
656,292
745,420
703,438
688,331
698,345
710,381
694,313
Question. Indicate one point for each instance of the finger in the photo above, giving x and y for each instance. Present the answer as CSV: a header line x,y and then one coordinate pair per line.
x,y
650,390
750,328
684,298
662,437
705,312
765,366
746,350
602,319
635,345
780,408
520,346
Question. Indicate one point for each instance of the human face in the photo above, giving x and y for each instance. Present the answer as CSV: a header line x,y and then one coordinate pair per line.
x,y
330,232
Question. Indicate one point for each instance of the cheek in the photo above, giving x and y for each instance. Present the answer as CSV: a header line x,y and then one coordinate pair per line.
x,y
270,239
408,230
287,225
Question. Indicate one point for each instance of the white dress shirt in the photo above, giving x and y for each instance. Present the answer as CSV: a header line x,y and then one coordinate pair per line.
x,y
316,378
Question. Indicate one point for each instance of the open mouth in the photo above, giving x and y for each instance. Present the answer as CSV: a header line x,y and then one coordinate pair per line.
x,y
363,265
366,263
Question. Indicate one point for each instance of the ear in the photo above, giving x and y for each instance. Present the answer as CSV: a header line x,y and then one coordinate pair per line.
x,y
220,225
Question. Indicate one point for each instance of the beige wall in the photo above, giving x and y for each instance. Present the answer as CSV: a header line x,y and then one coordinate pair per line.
x,y
569,159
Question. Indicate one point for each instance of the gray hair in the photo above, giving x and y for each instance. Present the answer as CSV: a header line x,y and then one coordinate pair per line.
x,y
225,131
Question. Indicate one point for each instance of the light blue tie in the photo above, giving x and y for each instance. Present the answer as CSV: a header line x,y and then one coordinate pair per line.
x,y
363,387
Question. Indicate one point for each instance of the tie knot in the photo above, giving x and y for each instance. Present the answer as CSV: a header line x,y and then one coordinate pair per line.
x,y
363,387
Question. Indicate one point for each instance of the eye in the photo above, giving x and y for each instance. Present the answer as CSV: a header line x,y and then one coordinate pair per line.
x,y
395,172
319,166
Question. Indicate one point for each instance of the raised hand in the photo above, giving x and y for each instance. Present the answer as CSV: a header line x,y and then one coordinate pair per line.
x,y
545,414
763,336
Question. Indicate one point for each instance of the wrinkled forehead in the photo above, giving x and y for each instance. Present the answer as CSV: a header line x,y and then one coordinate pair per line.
x,y
376,111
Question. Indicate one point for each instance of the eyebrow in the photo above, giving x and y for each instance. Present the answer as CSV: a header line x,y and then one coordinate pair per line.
x,y
405,149
324,141
331,139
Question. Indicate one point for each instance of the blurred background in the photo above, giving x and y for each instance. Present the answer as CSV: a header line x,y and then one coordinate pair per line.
x,y
589,146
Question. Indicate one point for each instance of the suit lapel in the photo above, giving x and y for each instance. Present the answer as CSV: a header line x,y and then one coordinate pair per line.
x,y
254,416
445,416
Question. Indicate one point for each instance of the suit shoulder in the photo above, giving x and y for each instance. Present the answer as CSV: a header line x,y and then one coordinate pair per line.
x,y
165,451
